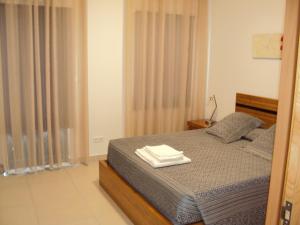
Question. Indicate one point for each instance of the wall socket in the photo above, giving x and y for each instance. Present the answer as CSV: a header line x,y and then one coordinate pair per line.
x,y
98,139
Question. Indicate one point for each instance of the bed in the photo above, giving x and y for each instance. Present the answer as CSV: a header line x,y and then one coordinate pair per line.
x,y
173,195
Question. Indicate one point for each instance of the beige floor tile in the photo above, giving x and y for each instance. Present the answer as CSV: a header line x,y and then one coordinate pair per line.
x,y
84,185
110,215
91,192
64,197
105,209
18,216
59,188
62,215
85,222
96,200
52,203
46,177
51,195
12,181
89,172
15,195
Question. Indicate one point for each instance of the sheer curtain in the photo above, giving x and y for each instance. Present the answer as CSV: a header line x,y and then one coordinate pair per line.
x,y
165,64
43,83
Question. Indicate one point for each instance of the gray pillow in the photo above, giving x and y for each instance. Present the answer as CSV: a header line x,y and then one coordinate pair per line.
x,y
252,135
234,126
263,146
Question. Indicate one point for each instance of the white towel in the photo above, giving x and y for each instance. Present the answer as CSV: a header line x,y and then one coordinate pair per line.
x,y
164,158
144,155
164,153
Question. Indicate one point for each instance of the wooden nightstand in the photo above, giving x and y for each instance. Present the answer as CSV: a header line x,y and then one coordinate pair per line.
x,y
197,124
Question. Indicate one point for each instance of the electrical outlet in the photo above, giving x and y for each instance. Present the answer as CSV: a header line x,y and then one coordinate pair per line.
x,y
97,139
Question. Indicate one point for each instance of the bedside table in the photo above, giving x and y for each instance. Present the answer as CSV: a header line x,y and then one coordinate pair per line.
x,y
197,124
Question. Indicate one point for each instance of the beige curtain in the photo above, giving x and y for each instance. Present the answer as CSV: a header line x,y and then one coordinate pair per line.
x,y
165,64
43,82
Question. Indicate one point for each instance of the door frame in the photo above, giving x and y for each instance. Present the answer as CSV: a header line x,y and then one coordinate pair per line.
x,y
285,110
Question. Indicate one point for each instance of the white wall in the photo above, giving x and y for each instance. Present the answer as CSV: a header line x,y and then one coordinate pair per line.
x,y
232,68
105,46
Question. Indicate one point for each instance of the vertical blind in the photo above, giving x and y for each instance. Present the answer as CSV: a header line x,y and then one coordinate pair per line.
x,y
43,82
165,64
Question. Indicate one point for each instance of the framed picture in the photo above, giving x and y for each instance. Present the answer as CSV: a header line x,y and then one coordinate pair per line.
x,y
267,46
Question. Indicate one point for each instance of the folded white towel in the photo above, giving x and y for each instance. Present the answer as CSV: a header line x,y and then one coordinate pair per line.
x,y
144,155
155,151
164,152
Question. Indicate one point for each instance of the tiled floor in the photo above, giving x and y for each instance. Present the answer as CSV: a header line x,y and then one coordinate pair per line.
x,y
63,197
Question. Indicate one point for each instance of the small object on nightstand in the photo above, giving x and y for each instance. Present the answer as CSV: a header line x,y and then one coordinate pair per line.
x,y
210,121
199,124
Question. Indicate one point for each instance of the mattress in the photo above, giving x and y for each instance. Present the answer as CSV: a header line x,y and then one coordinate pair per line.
x,y
207,188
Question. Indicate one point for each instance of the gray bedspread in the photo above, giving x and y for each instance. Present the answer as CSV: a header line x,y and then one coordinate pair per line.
x,y
224,185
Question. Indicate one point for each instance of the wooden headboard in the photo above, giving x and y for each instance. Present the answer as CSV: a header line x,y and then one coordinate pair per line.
x,y
260,107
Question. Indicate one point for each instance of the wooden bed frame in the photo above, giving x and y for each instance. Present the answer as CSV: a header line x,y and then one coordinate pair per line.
x,y
135,206
262,108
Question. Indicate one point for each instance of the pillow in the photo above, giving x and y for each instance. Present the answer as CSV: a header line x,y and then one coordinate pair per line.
x,y
234,126
263,146
252,135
